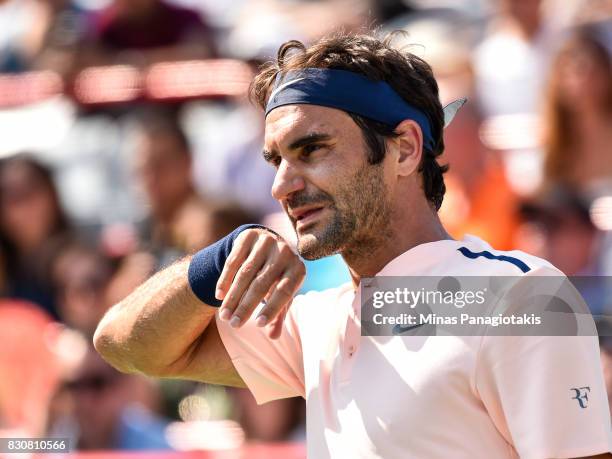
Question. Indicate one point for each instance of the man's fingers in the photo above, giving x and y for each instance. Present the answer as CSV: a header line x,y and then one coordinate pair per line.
x,y
260,266
243,246
280,259
241,282
237,257
260,288
283,293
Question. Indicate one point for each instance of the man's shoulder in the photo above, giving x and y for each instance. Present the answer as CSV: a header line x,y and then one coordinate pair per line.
x,y
476,257
469,256
523,282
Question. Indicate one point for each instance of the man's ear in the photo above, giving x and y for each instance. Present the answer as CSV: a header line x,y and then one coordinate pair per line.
x,y
410,140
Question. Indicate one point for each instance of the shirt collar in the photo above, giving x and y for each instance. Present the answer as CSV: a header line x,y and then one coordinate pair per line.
x,y
418,259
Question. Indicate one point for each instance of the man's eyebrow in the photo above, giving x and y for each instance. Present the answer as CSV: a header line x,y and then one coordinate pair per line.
x,y
308,139
270,155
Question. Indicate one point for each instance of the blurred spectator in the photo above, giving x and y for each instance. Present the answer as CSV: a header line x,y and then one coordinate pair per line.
x,y
260,26
39,34
559,229
146,31
181,221
32,224
479,199
476,184
64,24
22,30
511,61
100,408
162,160
30,371
279,420
82,277
579,112
559,226
228,167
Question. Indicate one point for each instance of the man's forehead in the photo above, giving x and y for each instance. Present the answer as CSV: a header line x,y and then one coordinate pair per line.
x,y
286,123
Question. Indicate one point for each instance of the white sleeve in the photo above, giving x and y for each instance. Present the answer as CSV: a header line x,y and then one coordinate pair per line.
x,y
271,369
546,394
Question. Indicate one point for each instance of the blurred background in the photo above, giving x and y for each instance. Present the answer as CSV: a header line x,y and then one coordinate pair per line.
x,y
126,142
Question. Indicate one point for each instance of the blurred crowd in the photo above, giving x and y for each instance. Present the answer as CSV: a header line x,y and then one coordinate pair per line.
x,y
94,198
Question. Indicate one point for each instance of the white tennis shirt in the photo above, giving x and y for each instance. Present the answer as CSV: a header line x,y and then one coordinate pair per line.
x,y
429,396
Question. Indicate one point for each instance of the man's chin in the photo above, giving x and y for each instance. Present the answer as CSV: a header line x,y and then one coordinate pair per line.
x,y
310,247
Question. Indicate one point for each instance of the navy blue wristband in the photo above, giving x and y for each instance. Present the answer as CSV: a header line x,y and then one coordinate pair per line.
x,y
206,266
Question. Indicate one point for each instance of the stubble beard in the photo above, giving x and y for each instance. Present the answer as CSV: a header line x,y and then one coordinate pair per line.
x,y
359,222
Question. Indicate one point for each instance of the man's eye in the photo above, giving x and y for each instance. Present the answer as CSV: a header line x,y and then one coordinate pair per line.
x,y
308,149
273,160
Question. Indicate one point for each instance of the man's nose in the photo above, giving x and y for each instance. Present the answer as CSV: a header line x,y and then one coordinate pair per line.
x,y
286,181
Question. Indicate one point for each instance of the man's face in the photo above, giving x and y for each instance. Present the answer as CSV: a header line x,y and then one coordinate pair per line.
x,y
164,171
334,198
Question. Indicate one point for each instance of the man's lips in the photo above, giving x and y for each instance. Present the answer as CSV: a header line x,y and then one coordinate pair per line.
x,y
305,215
303,212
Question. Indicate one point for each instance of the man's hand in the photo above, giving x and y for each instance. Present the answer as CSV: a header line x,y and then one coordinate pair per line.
x,y
261,267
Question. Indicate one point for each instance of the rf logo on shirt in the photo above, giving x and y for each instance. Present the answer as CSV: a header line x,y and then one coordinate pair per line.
x,y
581,395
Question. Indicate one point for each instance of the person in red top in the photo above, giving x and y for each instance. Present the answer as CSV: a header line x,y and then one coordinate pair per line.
x,y
156,29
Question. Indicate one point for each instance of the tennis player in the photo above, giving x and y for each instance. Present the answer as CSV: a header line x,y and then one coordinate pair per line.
x,y
353,128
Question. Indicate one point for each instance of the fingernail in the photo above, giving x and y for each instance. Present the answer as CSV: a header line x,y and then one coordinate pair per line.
x,y
261,321
225,314
218,294
235,322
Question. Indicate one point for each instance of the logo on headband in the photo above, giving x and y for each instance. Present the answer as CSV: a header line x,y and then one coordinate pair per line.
x,y
283,86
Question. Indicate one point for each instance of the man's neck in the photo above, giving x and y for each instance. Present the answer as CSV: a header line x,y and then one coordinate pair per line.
x,y
367,260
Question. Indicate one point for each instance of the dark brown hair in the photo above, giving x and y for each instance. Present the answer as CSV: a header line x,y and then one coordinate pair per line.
x,y
40,173
560,133
410,76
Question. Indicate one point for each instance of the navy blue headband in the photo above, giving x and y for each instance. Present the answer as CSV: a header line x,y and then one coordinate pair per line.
x,y
348,91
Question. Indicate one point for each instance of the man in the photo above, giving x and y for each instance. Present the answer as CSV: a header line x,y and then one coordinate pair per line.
x,y
353,128
180,220
162,165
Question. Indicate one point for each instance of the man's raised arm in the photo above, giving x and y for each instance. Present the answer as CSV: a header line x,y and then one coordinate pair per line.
x,y
166,327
